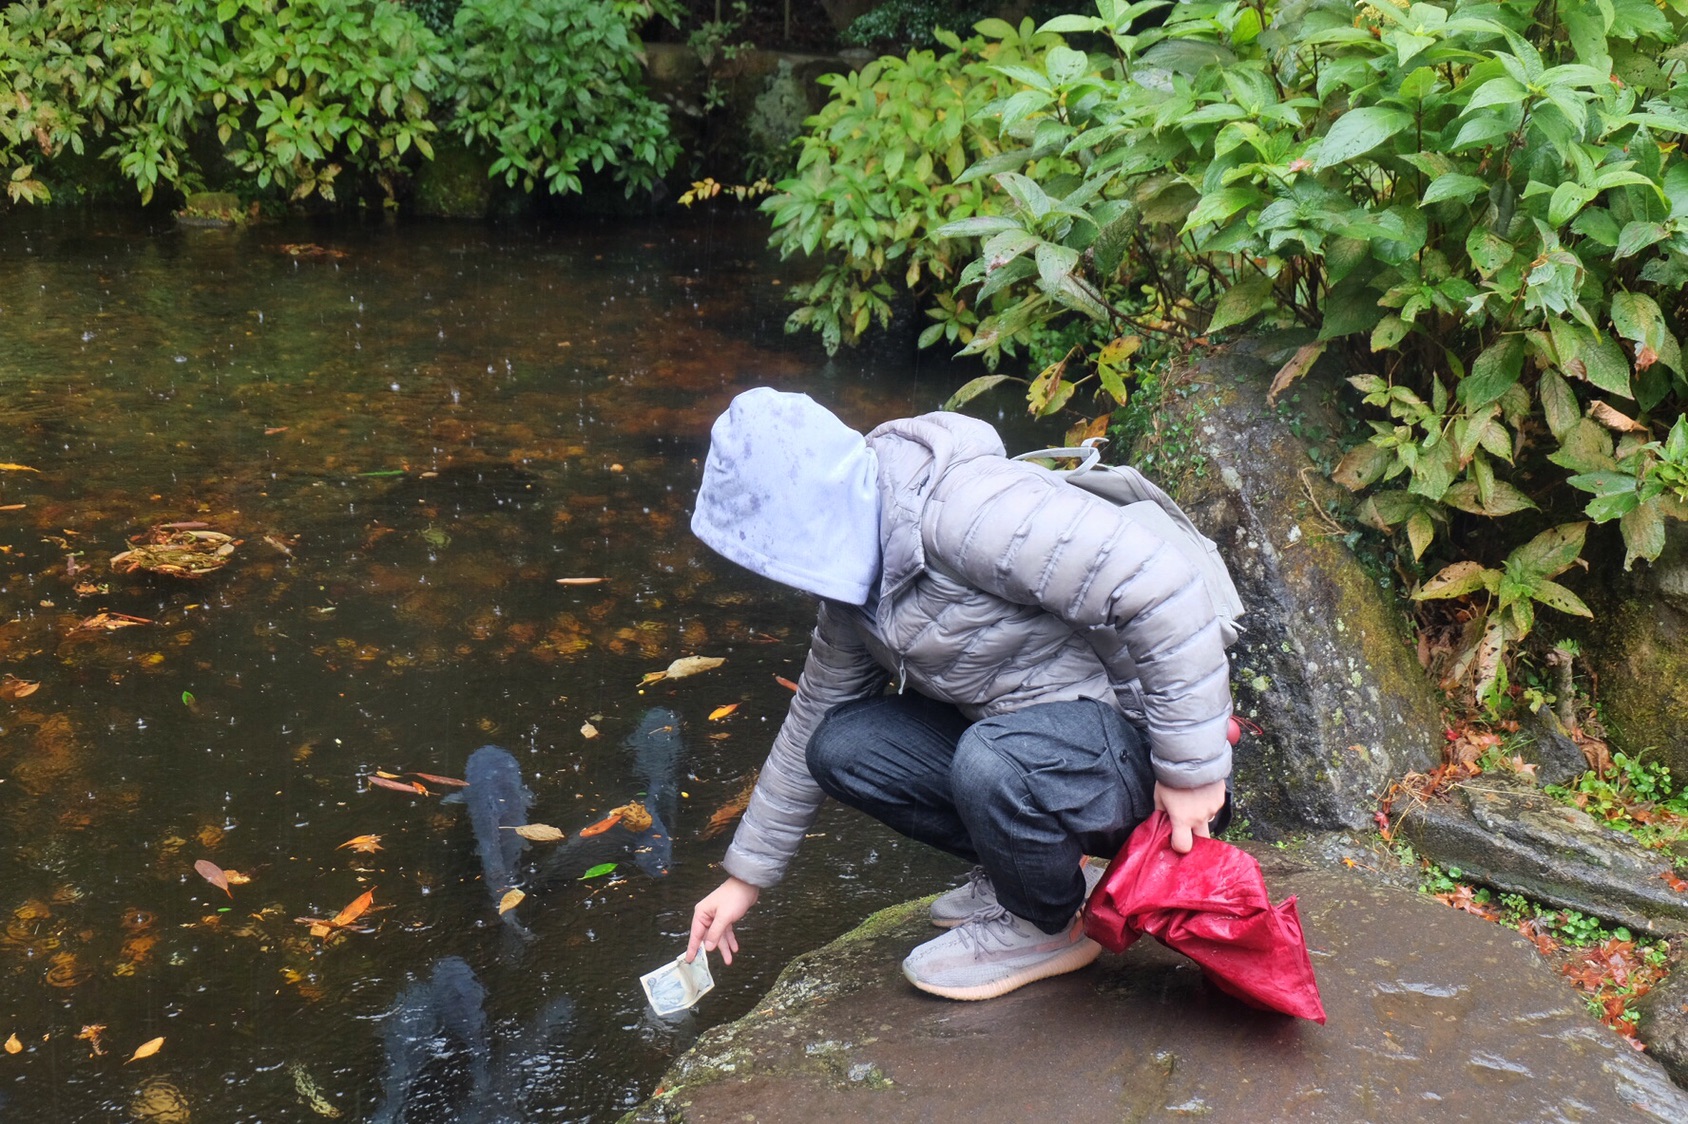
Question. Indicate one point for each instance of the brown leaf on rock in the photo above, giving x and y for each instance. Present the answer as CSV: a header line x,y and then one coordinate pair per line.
x,y
213,874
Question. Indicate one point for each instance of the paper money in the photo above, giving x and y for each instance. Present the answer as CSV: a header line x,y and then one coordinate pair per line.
x,y
678,985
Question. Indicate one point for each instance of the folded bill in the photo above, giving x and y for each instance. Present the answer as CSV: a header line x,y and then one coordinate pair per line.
x,y
678,985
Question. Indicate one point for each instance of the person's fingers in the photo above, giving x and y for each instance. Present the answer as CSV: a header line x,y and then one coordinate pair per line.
x,y
1181,840
724,942
1202,830
700,925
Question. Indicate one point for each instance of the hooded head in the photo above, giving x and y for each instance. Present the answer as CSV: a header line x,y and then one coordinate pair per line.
x,y
791,493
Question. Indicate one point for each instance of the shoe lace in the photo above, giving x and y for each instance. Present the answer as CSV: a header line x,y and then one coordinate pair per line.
x,y
990,926
979,883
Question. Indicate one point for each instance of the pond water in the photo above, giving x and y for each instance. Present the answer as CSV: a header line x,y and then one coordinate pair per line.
x,y
413,432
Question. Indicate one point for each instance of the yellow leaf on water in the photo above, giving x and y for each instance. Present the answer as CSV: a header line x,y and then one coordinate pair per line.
x,y
579,581
691,665
13,1046
17,468
539,832
235,878
510,900
721,712
368,844
587,730
147,1049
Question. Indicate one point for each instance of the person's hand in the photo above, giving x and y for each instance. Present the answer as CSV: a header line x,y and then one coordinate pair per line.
x,y
713,918
1189,809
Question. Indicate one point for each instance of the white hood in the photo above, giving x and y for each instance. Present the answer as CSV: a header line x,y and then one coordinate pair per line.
x,y
790,492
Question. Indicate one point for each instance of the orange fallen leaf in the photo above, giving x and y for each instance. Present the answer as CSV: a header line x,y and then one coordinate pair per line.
x,y
397,786
510,900
368,844
12,507
602,825
147,1049
786,683
355,910
449,782
236,878
17,468
721,712
11,687
271,431
13,1046
579,581
213,874
730,811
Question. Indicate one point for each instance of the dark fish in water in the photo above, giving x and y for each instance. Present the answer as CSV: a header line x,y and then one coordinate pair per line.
x,y
656,749
436,1043
497,801
411,1038
458,1000
531,1061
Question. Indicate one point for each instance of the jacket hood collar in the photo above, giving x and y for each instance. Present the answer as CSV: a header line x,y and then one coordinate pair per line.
x,y
914,453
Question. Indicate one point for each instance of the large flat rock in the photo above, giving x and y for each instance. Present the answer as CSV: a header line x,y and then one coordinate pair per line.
x,y
1434,1015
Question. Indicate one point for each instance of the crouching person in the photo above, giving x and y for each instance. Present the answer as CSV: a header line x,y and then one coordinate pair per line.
x,y
1057,673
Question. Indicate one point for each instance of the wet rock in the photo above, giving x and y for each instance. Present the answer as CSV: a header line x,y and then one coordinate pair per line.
x,y
1664,1023
1508,834
1639,652
454,184
1326,667
1433,1015
1557,758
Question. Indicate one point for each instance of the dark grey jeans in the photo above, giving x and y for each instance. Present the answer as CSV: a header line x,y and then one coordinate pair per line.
x,y
1025,796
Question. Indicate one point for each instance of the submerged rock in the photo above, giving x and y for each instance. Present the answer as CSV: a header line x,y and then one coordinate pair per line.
x,y
1433,1015
1507,833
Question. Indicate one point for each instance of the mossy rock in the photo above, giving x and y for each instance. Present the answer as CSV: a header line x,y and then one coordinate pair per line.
x,y
1640,657
454,184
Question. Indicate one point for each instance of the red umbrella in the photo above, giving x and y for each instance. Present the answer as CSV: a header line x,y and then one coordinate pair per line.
x,y
1212,906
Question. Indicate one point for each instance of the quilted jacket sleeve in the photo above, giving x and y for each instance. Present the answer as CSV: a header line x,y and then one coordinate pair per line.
x,y
1022,533
839,668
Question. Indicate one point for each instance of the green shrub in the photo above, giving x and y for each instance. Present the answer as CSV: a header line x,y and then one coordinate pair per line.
x,y
294,93
555,87
1484,203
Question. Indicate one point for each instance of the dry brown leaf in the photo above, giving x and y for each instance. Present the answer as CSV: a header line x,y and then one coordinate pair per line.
x,y
213,874
11,687
368,844
634,817
730,811
1299,364
13,1046
510,900
449,782
235,878
147,1049
397,786
587,730
682,667
721,712
539,832
110,622
1614,419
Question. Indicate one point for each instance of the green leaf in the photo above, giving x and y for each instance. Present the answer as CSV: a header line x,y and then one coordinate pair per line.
x,y
979,226
1455,186
1221,205
971,389
1644,532
1421,532
1362,466
1568,199
1550,553
1558,403
1241,302
1390,331
1359,131
1493,373
1556,596
598,871
1604,365
1456,580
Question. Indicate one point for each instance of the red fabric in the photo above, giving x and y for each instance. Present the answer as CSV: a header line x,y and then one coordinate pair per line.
x,y
1212,906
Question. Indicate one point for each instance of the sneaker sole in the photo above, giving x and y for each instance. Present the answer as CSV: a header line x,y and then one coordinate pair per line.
x,y
1070,959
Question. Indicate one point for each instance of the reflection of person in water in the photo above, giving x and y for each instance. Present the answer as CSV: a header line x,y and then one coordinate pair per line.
x,y
1059,674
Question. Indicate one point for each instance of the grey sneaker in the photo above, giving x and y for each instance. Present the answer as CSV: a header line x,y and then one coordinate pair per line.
x,y
993,953
951,909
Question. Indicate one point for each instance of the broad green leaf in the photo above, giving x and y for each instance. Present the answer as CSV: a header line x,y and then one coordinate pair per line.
x,y
1456,580
1421,532
1455,186
1359,131
1550,553
1568,199
1558,403
1644,532
1221,205
1241,302
1493,372
972,389
1556,596
1605,366
598,871
979,226
1361,466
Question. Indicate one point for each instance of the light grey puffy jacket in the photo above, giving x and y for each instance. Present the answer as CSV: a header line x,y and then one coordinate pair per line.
x,y
1002,586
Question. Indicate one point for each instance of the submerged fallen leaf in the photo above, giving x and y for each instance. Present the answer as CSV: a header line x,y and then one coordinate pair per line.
x,y
539,832
602,825
412,787
368,844
235,878
510,900
721,712
213,874
355,910
91,1035
11,687
730,811
110,622
598,871
13,1046
587,730
634,817
8,467
579,581
684,666
786,683
176,550
449,782
147,1049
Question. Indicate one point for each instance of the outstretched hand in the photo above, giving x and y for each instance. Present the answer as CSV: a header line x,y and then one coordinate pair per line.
x,y
713,919
1189,809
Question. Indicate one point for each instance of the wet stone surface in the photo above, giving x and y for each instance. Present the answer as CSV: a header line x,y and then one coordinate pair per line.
x,y
1433,1015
